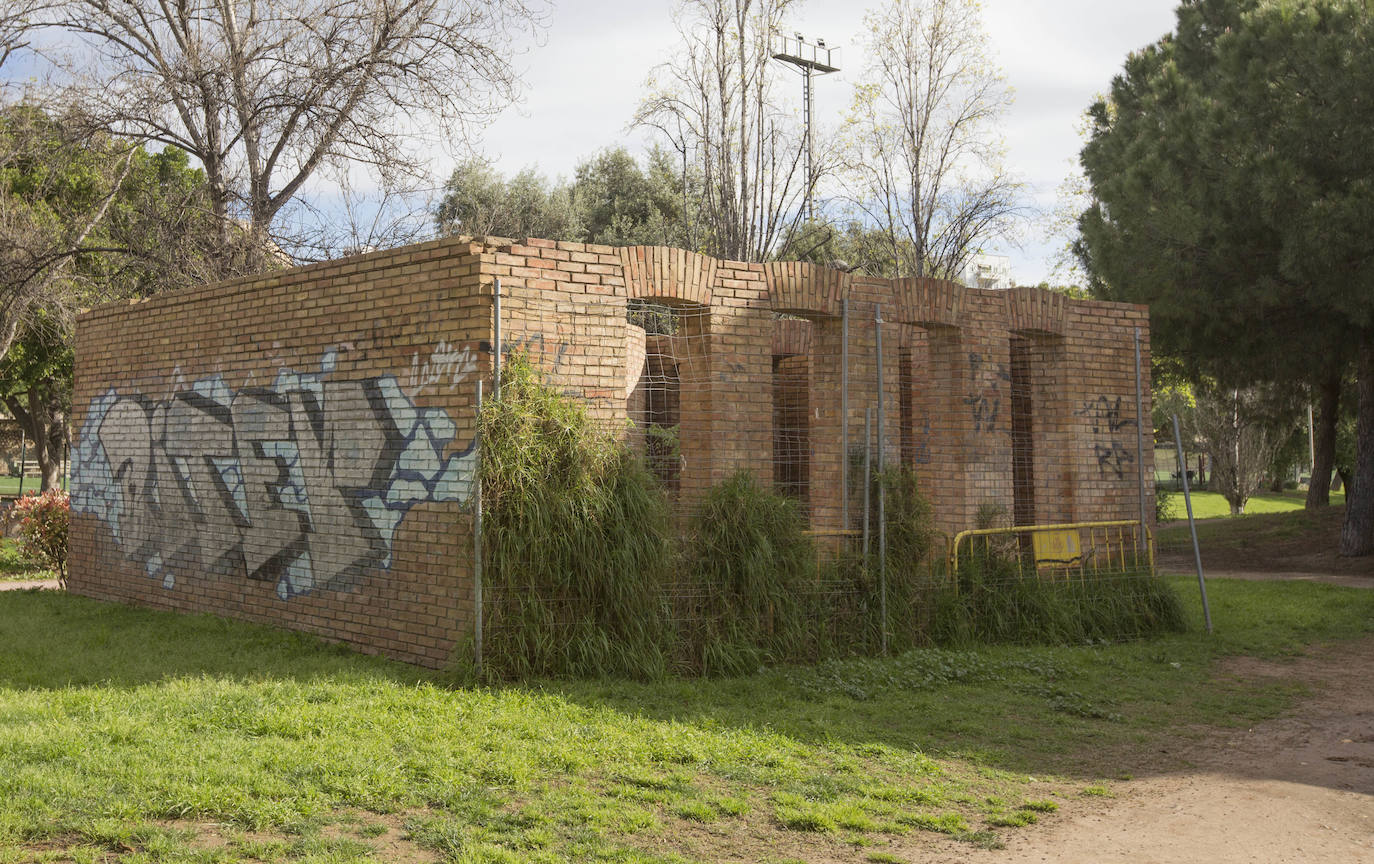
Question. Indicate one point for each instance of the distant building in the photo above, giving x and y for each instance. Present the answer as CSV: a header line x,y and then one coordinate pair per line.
x,y
987,271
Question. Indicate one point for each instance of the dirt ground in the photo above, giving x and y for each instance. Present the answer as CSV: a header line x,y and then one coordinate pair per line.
x,y
1296,789
26,584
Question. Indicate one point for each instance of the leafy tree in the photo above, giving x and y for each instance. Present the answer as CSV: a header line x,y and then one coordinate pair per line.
x,y
611,200
83,220
621,204
1232,187
849,245
479,202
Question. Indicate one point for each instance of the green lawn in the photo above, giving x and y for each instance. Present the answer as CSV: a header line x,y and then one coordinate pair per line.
x,y
189,738
14,566
1211,505
10,485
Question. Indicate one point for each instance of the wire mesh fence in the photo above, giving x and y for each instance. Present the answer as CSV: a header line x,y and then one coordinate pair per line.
x,y
824,413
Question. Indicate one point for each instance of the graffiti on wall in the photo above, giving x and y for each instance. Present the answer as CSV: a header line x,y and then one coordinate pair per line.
x,y
1108,423
445,365
985,391
302,483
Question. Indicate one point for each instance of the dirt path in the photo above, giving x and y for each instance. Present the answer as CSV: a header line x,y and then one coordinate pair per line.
x,y
25,584
1296,789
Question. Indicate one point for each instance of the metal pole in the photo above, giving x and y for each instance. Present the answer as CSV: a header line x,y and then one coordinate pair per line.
x,y
496,357
810,147
23,457
844,414
882,486
1192,526
477,542
1139,431
868,459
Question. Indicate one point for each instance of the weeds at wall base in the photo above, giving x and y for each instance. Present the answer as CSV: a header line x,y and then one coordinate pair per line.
x,y
585,577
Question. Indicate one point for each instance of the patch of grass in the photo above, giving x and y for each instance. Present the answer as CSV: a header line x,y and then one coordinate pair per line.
x,y
10,484
990,601
1041,806
1245,530
1212,505
14,565
140,728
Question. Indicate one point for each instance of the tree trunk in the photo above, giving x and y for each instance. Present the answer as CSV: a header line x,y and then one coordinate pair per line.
x,y
50,465
1357,534
1324,440
46,429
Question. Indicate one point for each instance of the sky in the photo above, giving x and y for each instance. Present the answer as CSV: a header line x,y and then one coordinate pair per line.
x,y
584,83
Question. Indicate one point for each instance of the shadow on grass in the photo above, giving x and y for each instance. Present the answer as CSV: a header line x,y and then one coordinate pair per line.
x,y
50,639
1028,709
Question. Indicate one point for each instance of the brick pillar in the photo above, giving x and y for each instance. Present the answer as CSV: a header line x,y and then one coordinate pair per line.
x,y
740,400
985,423
940,402
826,440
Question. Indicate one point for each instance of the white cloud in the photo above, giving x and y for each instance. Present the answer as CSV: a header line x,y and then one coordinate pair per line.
x,y
585,82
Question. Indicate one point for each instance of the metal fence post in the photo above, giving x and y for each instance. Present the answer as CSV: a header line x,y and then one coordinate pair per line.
x,y
868,461
1192,527
1139,431
844,414
496,356
882,486
477,540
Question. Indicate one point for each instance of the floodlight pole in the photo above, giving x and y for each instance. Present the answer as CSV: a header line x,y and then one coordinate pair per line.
x,y
809,59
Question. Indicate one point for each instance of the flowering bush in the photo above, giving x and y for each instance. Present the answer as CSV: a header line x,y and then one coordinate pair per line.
x,y
43,529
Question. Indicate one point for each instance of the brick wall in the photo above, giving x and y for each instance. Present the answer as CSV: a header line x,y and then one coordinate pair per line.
x,y
294,449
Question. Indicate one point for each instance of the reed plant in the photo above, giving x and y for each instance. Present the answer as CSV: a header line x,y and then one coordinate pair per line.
x,y
577,538
589,576
748,581
992,599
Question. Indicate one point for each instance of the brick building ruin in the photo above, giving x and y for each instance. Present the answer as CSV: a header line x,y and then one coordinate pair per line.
x,y
296,448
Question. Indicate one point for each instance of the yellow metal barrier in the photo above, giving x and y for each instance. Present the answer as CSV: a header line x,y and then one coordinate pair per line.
x,y
1062,548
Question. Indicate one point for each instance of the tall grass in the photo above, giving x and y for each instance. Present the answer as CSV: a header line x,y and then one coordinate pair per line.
x,y
990,600
576,534
749,581
587,577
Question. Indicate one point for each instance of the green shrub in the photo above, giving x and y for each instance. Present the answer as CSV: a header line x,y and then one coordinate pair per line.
x,y
576,540
585,579
748,581
1164,503
854,609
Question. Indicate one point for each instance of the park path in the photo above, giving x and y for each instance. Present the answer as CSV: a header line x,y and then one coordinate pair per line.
x,y
1299,788
25,584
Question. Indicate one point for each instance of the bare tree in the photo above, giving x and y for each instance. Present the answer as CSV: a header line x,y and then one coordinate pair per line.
x,y
266,94
716,106
924,158
16,21
1238,429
